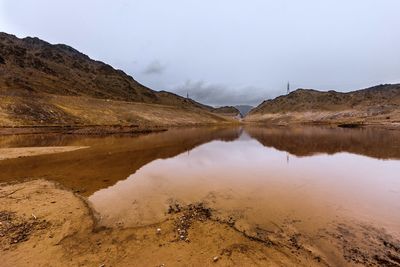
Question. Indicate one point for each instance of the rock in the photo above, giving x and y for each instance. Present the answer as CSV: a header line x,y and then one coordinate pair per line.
x,y
215,259
158,230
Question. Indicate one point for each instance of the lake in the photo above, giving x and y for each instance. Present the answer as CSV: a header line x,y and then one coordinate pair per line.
x,y
261,180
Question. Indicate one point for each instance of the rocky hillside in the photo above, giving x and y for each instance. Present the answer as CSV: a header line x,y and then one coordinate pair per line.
x,y
376,104
42,83
33,65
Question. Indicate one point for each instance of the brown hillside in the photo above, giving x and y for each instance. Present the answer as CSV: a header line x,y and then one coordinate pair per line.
x,y
45,84
32,65
228,111
376,104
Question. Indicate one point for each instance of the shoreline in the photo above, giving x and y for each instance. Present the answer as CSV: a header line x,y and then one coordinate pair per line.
x,y
43,223
78,129
19,152
136,129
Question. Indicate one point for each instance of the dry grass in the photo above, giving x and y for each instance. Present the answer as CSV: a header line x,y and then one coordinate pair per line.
x,y
375,105
41,109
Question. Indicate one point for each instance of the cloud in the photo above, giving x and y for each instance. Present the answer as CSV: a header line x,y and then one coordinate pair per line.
x,y
221,95
155,67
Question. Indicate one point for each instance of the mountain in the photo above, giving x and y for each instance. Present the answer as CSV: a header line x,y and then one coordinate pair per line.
x,y
47,84
33,65
244,109
375,105
227,111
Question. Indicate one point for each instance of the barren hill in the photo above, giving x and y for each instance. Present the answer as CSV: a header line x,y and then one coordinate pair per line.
x,y
33,65
378,104
46,84
227,111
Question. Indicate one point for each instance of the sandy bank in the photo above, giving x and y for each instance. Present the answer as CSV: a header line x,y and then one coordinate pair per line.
x,y
43,224
18,152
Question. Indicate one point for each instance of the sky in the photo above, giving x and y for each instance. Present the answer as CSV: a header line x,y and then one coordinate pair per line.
x,y
225,52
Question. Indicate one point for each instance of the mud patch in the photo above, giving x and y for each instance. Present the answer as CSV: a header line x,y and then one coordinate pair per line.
x,y
15,229
190,213
367,245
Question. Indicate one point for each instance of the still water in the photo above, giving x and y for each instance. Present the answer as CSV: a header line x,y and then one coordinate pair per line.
x,y
260,178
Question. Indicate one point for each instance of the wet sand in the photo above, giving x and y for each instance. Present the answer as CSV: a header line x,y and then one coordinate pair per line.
x,y
44,224
19,152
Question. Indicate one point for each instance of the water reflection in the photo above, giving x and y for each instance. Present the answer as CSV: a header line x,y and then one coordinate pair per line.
x,y
306,141
108,160
114,158
323,186
260,186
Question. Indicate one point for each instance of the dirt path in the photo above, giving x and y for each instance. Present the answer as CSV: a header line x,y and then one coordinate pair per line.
x,y
42,224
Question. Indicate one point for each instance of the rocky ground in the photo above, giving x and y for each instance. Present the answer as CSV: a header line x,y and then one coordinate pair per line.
x,y
42,224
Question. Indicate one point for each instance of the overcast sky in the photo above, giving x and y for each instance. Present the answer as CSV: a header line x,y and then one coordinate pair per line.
x,y
225,52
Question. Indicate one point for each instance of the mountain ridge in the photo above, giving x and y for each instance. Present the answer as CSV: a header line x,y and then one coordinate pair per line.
x,y
55,84
62,70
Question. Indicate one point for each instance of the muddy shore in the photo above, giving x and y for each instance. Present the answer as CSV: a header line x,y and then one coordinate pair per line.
x,y
19,152
143,129
80,130
43,224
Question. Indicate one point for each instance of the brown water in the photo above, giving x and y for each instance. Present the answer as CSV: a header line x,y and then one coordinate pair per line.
x,y
260,178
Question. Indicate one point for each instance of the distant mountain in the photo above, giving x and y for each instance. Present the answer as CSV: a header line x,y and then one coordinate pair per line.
x,y
244,109
42,83
228,111
376,104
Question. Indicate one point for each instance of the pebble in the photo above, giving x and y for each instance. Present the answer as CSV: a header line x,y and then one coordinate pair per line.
x,y
216,258
158,230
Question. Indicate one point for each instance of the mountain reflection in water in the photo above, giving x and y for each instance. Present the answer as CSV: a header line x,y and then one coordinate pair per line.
x,y
261,187
113,158
261,178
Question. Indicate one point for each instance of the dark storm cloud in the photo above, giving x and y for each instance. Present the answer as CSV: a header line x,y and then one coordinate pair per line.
x,y
219,95
155,67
